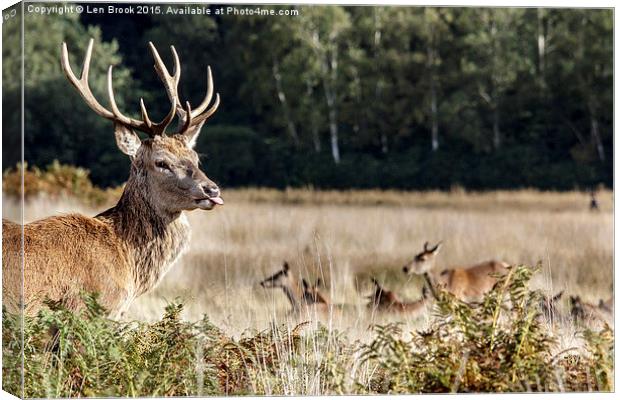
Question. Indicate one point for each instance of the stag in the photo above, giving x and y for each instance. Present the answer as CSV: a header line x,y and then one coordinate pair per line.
x,y
126,250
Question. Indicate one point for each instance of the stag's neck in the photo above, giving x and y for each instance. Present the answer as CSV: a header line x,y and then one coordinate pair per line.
x,y
153,238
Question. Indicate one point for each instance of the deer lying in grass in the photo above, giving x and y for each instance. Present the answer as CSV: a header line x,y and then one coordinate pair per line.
x,y
312,293
299,294
548,306
124,251
384,300
306,300
607,306
466,283
585,312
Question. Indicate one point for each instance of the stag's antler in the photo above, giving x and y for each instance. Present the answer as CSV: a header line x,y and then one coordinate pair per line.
x,y
199,115
171,83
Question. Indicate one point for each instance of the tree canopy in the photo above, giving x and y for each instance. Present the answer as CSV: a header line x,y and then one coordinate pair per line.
x,y
343,97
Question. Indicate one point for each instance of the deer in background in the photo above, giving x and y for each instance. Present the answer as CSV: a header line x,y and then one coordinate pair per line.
x,y
466,283
582,311
594,206
124,251
607,305
548,306
299,294
384,300
312,293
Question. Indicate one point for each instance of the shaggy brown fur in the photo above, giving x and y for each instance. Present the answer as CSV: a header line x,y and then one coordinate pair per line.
x,y
120,253
126,250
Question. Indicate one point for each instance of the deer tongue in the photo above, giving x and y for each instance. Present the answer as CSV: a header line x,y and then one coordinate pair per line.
x,y
217,200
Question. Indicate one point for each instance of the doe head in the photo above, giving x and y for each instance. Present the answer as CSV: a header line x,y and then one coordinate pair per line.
x,y
281,279
424,261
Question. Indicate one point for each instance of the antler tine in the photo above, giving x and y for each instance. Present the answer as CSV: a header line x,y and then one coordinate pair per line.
x,y
81,84
202,113
205,102
188,117
197,119
171,83
87,57
142,125
145,115
157,128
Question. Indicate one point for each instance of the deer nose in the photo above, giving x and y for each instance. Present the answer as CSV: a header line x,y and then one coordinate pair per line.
x,y
211,190
405,269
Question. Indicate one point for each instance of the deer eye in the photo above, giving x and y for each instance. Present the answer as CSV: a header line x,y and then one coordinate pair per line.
x,y
162,164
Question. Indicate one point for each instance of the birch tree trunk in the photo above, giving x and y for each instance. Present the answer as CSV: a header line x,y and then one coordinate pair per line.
x,y
378,83
589,97
541,41
329,78
314,128
292,130
434,117
431,55
497,134
330,98
495,78
327,54
594,132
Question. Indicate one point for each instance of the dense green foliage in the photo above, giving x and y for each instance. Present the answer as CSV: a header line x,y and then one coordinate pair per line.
x,y
485,347
399,97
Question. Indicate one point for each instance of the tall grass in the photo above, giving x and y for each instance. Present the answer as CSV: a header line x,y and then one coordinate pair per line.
x,y
344,238
486,347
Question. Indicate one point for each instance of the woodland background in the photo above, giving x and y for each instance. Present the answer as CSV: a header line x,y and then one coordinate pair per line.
x,y
339,97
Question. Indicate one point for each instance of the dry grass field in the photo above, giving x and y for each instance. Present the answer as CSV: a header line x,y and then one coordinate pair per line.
x,y
347,237
251,344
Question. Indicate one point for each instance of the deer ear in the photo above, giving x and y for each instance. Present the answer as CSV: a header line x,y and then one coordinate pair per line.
x,y
191,135
126,139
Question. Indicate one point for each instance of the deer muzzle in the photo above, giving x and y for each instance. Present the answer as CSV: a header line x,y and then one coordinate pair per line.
x,y
209,196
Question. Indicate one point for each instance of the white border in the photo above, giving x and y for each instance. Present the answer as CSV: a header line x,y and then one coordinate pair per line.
x,y
459,3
